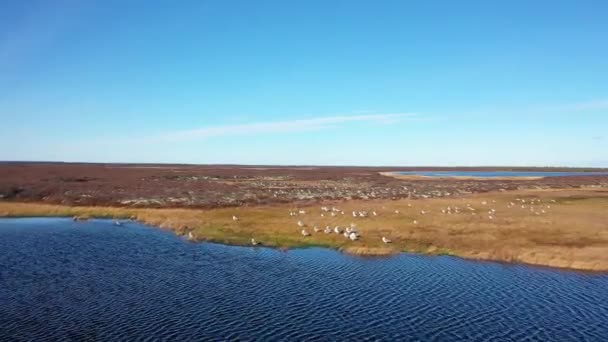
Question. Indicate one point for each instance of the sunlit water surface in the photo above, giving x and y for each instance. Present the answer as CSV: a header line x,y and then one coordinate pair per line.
x,y
495,174
95,281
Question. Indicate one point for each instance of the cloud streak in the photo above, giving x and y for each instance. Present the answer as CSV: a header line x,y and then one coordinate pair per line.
x,y
299,125
601,104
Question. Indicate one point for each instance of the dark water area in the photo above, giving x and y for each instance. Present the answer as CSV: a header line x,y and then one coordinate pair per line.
x,y
494,174
64,280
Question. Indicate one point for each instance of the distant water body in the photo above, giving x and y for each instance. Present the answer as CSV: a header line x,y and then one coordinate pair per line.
x,y
494,174
64,280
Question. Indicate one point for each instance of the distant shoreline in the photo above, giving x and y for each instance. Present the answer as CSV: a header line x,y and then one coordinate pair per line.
x,y
395,174
389,168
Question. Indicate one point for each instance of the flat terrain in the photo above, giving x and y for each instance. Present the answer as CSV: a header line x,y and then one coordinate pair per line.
x,y
161,186
559,222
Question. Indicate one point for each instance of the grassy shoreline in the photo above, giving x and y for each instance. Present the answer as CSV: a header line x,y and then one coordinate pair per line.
x,y
570,232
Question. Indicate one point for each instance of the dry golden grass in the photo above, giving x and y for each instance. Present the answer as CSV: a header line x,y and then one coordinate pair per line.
x,y
572,233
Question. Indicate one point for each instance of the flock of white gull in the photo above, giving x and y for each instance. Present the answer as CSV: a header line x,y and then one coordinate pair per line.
x,y
350,232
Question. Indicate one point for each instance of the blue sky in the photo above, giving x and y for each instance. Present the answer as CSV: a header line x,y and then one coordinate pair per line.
x,y
305,82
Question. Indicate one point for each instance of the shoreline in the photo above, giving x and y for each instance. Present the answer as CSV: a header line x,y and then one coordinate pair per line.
x,y
363,253
354,253
556,239
396,175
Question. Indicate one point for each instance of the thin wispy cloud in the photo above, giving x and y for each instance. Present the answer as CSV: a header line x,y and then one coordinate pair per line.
x,y
580,106
298,125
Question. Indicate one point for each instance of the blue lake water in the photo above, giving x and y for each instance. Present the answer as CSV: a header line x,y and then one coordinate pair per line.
x,y
64,280
493,174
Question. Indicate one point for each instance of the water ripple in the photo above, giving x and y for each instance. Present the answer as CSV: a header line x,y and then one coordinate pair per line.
x,y
62,280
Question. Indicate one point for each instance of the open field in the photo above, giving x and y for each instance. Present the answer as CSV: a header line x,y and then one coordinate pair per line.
x,y
200,186
553,227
